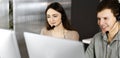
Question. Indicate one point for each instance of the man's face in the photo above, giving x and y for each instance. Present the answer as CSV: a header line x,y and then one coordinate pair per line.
x,y
106,20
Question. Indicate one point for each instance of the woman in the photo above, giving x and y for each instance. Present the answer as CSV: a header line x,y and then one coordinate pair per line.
x,y
57,24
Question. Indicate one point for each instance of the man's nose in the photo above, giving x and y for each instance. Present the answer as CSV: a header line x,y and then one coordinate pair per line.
x,y
101,22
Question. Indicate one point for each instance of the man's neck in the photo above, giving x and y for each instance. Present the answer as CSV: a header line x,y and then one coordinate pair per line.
x,y
113,32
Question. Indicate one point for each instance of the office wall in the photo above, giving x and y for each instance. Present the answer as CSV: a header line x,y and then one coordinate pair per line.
x,y
29,16
84,17
4,14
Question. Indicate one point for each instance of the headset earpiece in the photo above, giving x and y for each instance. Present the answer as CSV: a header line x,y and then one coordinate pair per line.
x,y
118,17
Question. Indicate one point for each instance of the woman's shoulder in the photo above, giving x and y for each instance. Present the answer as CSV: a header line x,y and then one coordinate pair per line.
x,y
43,30
73,34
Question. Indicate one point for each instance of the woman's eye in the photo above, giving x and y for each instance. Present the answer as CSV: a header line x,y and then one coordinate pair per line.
x,y
48,16
55,15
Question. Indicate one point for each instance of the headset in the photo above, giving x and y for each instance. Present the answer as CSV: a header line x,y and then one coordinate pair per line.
x,y
107,32
118,17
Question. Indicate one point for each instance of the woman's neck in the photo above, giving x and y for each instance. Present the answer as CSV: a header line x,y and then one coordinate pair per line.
x,y
58,31
58,28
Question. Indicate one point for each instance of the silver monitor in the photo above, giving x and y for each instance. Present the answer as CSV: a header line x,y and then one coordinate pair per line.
x,y
40,46
8,45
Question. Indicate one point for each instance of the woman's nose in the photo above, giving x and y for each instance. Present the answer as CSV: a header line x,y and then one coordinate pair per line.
x,y
52,19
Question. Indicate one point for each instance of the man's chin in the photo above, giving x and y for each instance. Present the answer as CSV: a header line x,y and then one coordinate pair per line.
x,y
103,31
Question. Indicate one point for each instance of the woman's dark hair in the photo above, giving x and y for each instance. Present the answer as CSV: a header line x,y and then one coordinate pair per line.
x,y
58,7
110,4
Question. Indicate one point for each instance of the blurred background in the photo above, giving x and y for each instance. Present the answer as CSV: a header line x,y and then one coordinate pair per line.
x,y
29,16
4,14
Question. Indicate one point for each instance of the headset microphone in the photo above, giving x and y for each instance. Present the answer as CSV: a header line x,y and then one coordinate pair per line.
x,y
107,33
53,27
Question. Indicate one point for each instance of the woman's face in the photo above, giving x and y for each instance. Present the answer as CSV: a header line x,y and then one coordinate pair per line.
x,y
106,20
53,17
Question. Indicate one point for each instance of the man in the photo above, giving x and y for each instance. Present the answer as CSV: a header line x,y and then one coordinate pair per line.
x,y
106,44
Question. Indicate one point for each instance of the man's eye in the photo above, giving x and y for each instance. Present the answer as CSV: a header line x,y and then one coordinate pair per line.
x,y
98,18
105,18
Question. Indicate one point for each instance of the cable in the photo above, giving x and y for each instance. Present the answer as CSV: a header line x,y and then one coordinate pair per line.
x,y
118,48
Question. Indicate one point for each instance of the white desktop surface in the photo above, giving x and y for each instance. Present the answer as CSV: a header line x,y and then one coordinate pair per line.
x,y
87,41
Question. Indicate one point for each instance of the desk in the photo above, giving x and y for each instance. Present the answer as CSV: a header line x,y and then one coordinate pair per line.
x,y
86,42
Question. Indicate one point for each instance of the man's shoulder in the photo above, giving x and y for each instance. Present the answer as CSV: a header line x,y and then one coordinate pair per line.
x,y
98,35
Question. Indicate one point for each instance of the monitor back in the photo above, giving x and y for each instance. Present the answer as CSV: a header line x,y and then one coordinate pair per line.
x,y
8,45
40,46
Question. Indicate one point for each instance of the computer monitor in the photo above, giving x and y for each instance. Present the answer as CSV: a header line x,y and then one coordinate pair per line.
x,y
8,45
40,46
